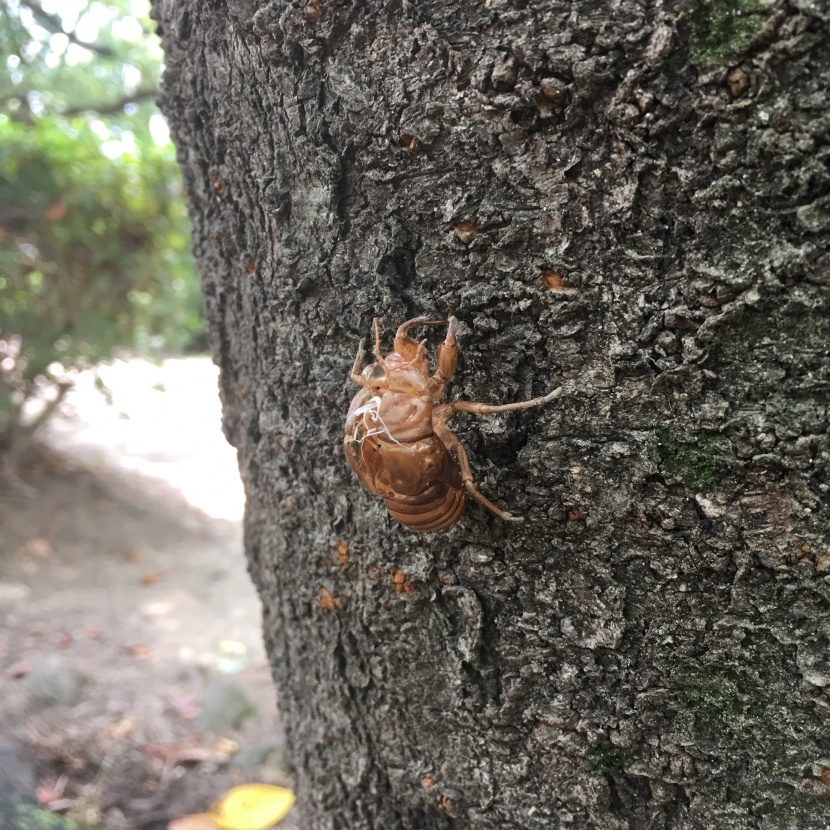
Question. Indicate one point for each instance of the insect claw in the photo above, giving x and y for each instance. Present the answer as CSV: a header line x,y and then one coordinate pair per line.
x,y
452,326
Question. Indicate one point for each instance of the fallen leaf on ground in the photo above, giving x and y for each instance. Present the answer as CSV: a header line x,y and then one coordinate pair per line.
x,y
201,755
217,754
55,749
119,730
163,751
19,669
150,578
200,821
252,807
48,793
225,746
60,805
39,547
188,706
249,807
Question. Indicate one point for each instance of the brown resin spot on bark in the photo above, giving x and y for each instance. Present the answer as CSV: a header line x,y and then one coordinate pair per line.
x,y
445,804
554,91
401,583
427,782
737,81
217,185
342,553
555,281
314,11
465,230
410,142
574,514
250,265
327,599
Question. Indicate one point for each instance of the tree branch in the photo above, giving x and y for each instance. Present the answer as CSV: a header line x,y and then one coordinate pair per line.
x,y
49,409
114,106
53,24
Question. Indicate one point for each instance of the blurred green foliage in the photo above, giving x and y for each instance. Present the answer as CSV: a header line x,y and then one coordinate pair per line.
x,y
93,230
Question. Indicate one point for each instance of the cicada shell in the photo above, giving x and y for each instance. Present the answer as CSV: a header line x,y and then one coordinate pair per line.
x,y
397,440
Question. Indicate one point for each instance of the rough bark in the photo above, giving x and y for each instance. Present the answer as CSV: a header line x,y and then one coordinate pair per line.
x,y
631,199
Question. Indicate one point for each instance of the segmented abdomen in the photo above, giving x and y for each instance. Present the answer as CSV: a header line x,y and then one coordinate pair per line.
x,y
425,490
436,508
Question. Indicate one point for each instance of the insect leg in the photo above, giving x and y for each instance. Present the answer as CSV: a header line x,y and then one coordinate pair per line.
x,y
441,413
489,409
405,345
355,375
376,329
403,329
447,361
451,442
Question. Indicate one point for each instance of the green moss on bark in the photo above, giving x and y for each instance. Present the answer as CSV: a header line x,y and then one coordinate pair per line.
x,y
721,29
605,759
719,701
697,464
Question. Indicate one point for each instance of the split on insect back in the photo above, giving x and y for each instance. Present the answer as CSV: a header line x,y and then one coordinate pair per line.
x,y
397,440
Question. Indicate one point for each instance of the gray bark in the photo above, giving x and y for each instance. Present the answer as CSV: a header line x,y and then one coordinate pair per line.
x,y
631,199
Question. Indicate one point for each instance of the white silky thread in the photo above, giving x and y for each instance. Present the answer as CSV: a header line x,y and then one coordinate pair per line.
x,y
372,410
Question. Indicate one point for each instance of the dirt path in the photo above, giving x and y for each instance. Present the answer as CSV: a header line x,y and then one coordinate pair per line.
x,y
134,687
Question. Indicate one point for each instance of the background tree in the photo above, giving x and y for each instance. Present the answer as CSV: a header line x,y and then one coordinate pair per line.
x,y
93,234
630,199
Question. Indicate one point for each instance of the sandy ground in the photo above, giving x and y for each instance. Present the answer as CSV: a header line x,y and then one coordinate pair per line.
x,y
134,686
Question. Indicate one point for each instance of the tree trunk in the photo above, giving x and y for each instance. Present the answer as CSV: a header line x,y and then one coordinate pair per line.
x,y
628,199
